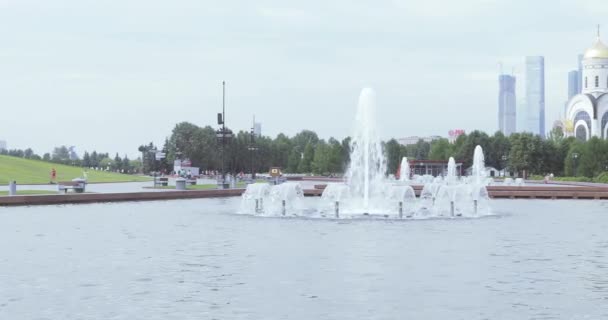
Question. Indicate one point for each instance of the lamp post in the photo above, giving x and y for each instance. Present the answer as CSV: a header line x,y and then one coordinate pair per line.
x,y
574,158
252,148
152,153
223,134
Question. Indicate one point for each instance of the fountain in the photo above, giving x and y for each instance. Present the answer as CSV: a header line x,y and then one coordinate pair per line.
x,y
368,192
478,170
264,199
451,177
404,170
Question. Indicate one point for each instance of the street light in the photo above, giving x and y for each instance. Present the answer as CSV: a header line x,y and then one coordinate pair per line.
x,y
252,148
574,158
223,134
153,152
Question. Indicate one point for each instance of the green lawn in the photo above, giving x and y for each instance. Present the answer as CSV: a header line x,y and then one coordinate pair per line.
x,y
26,171
29,192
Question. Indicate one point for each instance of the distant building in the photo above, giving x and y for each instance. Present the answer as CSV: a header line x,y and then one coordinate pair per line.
x,y
2,145
414,139
580,73
535,95
573,84
257,129
521,116
72,153
587,112
506,104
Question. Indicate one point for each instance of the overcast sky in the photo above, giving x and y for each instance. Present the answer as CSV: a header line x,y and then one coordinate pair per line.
x,y
113,74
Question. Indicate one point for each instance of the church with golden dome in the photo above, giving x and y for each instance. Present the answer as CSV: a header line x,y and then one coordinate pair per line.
x,y
587,112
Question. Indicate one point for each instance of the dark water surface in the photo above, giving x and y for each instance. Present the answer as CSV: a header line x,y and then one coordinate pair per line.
x,y
195,259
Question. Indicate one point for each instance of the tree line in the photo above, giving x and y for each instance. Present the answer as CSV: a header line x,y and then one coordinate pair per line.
x,y
523,154
94,160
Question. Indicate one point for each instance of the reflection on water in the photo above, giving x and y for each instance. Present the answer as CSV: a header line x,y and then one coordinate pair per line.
x,y
197,260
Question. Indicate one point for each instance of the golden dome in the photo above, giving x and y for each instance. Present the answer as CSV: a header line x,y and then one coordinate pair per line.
x,y
598,51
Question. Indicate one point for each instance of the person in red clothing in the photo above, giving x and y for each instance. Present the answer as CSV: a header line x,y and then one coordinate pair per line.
x,y
53,175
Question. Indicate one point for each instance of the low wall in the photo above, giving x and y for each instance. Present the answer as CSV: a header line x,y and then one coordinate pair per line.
x,y
72,198
508,192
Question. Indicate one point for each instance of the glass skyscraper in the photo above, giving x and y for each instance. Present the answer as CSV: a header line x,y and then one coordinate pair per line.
x,y
506,104
535,95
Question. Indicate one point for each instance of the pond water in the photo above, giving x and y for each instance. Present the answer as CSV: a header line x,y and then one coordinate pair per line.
x,y
196,259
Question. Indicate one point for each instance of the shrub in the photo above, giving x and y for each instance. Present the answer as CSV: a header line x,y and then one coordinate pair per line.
x,y
602,177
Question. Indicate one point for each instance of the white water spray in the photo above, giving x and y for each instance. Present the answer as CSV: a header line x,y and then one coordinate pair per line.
x,y
365,174
404,170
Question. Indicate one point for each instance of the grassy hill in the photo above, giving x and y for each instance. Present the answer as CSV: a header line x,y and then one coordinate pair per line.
x,y
26,171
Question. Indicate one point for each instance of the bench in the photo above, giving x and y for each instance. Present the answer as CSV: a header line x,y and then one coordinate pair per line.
x,y
161,181
76,186
191,182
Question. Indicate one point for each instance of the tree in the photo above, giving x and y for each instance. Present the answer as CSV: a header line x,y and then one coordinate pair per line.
x,y
126,164
86,160
61,154
305,164
28,153
526,154
304,138
280,148
94,162
334,161
467,148
105,163
441,149
572,164
422,150
294,160
320,163
594,157
46,157
117,164
148,158
136,165
392,148
556,135
500,147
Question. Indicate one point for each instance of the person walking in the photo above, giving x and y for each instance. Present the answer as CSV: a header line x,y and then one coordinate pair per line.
x,y
53,176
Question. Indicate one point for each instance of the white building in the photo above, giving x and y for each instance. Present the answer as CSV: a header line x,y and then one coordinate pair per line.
x,y
587,112
414,139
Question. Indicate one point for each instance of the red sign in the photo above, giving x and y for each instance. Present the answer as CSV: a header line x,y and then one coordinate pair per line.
x,y
456,132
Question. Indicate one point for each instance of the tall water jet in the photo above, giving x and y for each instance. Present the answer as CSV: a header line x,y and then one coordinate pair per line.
x,y
404,170
451,175
478,170
366,171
